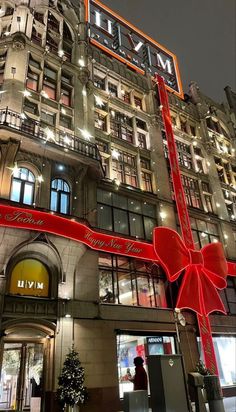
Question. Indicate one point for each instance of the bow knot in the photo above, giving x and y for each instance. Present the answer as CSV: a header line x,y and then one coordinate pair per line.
x,y
195,257
205,271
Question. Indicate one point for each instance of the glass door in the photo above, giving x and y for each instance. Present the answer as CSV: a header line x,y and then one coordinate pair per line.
x,y
21,377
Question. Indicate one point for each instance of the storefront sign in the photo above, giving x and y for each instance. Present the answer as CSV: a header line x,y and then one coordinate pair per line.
x,y
29,277
122,40
155,339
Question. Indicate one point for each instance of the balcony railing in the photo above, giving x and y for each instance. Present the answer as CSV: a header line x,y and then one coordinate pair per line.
x,y
38,130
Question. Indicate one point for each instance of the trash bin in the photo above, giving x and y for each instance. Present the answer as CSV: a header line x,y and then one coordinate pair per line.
x,y
136,401
214,393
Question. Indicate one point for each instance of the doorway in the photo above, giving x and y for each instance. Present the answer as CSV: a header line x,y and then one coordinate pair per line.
x,y
21,384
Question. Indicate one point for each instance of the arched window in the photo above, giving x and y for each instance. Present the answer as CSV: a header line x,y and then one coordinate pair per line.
x,y
23,186
60,196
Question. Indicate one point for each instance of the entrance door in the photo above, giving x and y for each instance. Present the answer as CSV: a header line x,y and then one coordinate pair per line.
x,y
21,377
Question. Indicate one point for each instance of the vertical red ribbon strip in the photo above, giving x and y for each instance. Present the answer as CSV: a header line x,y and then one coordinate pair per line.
x,y
203,320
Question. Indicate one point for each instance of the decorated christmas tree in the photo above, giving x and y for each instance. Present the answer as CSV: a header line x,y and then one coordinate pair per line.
x,y
71,391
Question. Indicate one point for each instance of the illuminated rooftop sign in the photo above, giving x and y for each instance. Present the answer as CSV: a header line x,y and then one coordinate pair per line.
x,y
123,41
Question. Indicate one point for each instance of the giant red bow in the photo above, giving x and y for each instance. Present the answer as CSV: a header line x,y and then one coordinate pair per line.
x,y
205,271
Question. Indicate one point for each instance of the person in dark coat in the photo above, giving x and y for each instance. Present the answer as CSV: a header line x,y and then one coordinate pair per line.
x,y
140,378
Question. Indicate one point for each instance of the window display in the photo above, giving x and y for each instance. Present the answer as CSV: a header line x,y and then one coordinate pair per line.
x,y
130,346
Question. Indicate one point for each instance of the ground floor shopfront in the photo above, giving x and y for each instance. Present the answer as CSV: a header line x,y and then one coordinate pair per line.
x,y
32,353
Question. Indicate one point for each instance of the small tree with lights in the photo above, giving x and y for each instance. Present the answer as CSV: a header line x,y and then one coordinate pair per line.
x,y
71,391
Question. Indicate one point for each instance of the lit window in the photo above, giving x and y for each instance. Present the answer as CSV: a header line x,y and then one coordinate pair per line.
x,y
23,186
60,196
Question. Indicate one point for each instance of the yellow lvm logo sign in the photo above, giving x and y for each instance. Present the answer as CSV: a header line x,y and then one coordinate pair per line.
x,y
29,277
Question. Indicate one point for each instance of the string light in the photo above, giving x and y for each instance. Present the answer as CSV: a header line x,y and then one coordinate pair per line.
x,y
15,169
163,215
26,93
115,154
117,182
98,101
81,62
40,179
226,236
67,140
49,135
86,135
44,94
61,53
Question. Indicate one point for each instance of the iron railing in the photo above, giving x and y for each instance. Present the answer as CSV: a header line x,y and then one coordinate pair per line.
x,y
38,130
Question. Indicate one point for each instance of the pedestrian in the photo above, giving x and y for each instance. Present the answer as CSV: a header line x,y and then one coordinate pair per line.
x,y
140,378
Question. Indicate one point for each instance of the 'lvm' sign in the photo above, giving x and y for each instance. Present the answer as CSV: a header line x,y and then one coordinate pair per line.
x,y
122,40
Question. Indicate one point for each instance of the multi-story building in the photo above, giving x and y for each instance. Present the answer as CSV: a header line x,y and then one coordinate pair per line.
x,y
82,137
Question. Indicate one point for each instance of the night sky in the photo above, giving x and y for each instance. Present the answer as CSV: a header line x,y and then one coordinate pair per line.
x,y
202,34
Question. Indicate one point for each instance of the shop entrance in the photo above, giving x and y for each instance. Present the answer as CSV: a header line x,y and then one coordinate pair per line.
x,y
21,376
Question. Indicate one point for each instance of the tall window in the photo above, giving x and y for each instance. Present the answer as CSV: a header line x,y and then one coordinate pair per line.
x,y
124,215
124,169
23,186
60,196
50,82
203,232
192,192
184,155
131,282
121,126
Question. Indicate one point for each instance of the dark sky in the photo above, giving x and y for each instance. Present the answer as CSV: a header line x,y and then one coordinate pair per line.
x,y
202,34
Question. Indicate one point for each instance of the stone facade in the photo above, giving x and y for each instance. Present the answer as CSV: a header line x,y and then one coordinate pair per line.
x,y
66,110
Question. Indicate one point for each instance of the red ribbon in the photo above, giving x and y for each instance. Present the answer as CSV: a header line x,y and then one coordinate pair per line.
x,y
205,271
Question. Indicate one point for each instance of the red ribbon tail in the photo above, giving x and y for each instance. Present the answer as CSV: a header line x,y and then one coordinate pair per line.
x,y
190,291
231,268
210,295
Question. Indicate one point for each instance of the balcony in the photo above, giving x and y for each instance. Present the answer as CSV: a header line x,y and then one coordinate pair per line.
x,y
46,134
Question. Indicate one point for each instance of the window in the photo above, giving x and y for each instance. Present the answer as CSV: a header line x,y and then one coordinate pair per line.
x,y
30,107
23,186
121,126
125,215
65,121
39,17
2,69
184,155
60,196
192,193
138,102
65,95
125,96
207,196
99,82
124,169
48,117
141,124
36,36
130,345
226,358
128,281
52,44
100,121
146,175
50,82
112,89
53,23
213,125
142,143
203,232
32,81
183,125
228,296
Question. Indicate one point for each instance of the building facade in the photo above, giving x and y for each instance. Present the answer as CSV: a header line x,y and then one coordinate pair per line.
x,y
82,137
